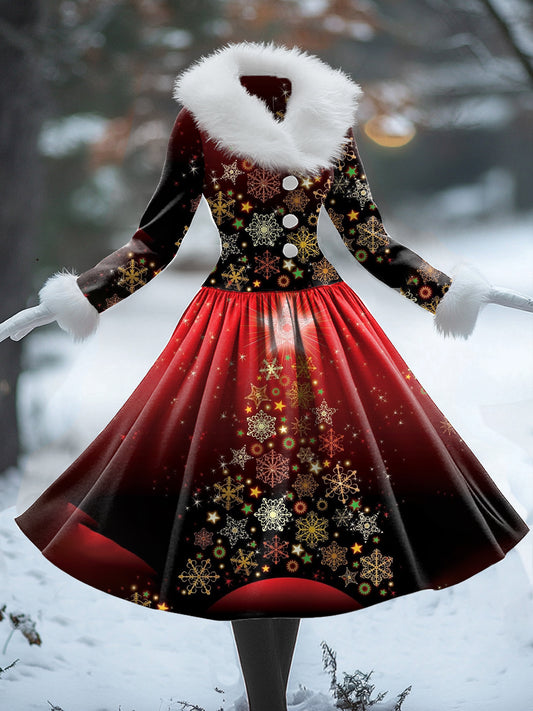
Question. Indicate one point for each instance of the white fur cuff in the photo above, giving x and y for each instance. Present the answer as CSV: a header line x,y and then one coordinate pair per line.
x,y
72,310
457,312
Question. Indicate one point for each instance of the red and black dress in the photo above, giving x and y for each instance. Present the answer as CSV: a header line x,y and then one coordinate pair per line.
x,y
279,458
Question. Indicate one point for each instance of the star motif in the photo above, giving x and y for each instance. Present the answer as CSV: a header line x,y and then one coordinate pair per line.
x,y
307,558
297,549
246,207
213,517
353,215
279,405
357,548
239,456
256,491
258,395
348,577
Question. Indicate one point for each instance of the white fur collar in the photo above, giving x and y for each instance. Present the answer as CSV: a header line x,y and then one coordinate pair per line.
x,y
320,109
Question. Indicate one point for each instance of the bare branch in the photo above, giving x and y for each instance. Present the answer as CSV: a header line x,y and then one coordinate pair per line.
x,y
507,31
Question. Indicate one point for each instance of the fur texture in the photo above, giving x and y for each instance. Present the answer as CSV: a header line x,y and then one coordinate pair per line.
x,y
73,312
320,109
457,312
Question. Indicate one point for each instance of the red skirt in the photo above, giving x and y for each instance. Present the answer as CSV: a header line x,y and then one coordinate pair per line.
x,y
278,459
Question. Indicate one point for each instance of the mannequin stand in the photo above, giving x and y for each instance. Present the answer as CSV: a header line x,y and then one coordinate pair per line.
x,y
265,647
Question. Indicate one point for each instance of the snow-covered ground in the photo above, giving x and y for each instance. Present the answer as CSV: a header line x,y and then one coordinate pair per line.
x,y
466,648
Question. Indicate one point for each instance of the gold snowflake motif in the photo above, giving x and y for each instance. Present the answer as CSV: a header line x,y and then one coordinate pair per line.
x,y
301,426
229,492
305,454
264,230
305,485
199,576
341,484
261,426
306,242
296,200
324,272
231,172
273,514
372,234
366,525
304,366
323,413
427,272
257,395
300,394
271,369
361,192
334,555
312,529
446,427
376,567
243,562
272,468
337,220
141,599
132,276
221,207
430,306
263,184
331,442
112,300
235,277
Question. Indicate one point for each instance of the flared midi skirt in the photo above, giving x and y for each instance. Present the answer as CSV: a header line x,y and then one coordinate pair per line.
x,y
278,459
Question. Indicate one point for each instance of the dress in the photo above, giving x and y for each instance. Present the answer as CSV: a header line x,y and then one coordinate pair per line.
x,y
279,458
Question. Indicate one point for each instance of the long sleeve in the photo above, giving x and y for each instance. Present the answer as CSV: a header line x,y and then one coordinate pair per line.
x,y
77,301
356,216
162,226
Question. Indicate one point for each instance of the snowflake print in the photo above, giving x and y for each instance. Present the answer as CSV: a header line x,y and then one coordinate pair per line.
x,y
333,555
271,369
312,529
330,442
132,276
305,454
361,192
301,426
240,456
427,272
229,492
257,395
343,517
234,530
300,394
376,567
203,538
266,264
372,235
306,242
276,549
263,184
243,562
235,277
231,172
272,468
199,576
261,426
323,413
337,220
305,485
264,230
141,599
341,484
221,207
304,366
229,245
296,200
341,184
366,525
324,272
273,514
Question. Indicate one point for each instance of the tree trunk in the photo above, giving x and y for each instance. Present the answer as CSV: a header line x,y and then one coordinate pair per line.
x,y
21,109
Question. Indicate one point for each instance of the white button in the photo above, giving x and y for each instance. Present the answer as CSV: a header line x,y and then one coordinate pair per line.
x,y
290,220
290,182
290,250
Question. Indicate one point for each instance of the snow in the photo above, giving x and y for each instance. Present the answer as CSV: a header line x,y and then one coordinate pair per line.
x,y
465,648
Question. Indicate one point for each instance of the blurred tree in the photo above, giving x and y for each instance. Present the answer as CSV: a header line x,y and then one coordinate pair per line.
x,y
21,111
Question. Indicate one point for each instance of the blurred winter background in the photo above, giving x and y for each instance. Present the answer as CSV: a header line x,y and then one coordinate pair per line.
x,y
445,133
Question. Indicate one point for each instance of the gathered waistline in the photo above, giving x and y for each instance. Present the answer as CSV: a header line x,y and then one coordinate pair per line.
x,y
258,292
